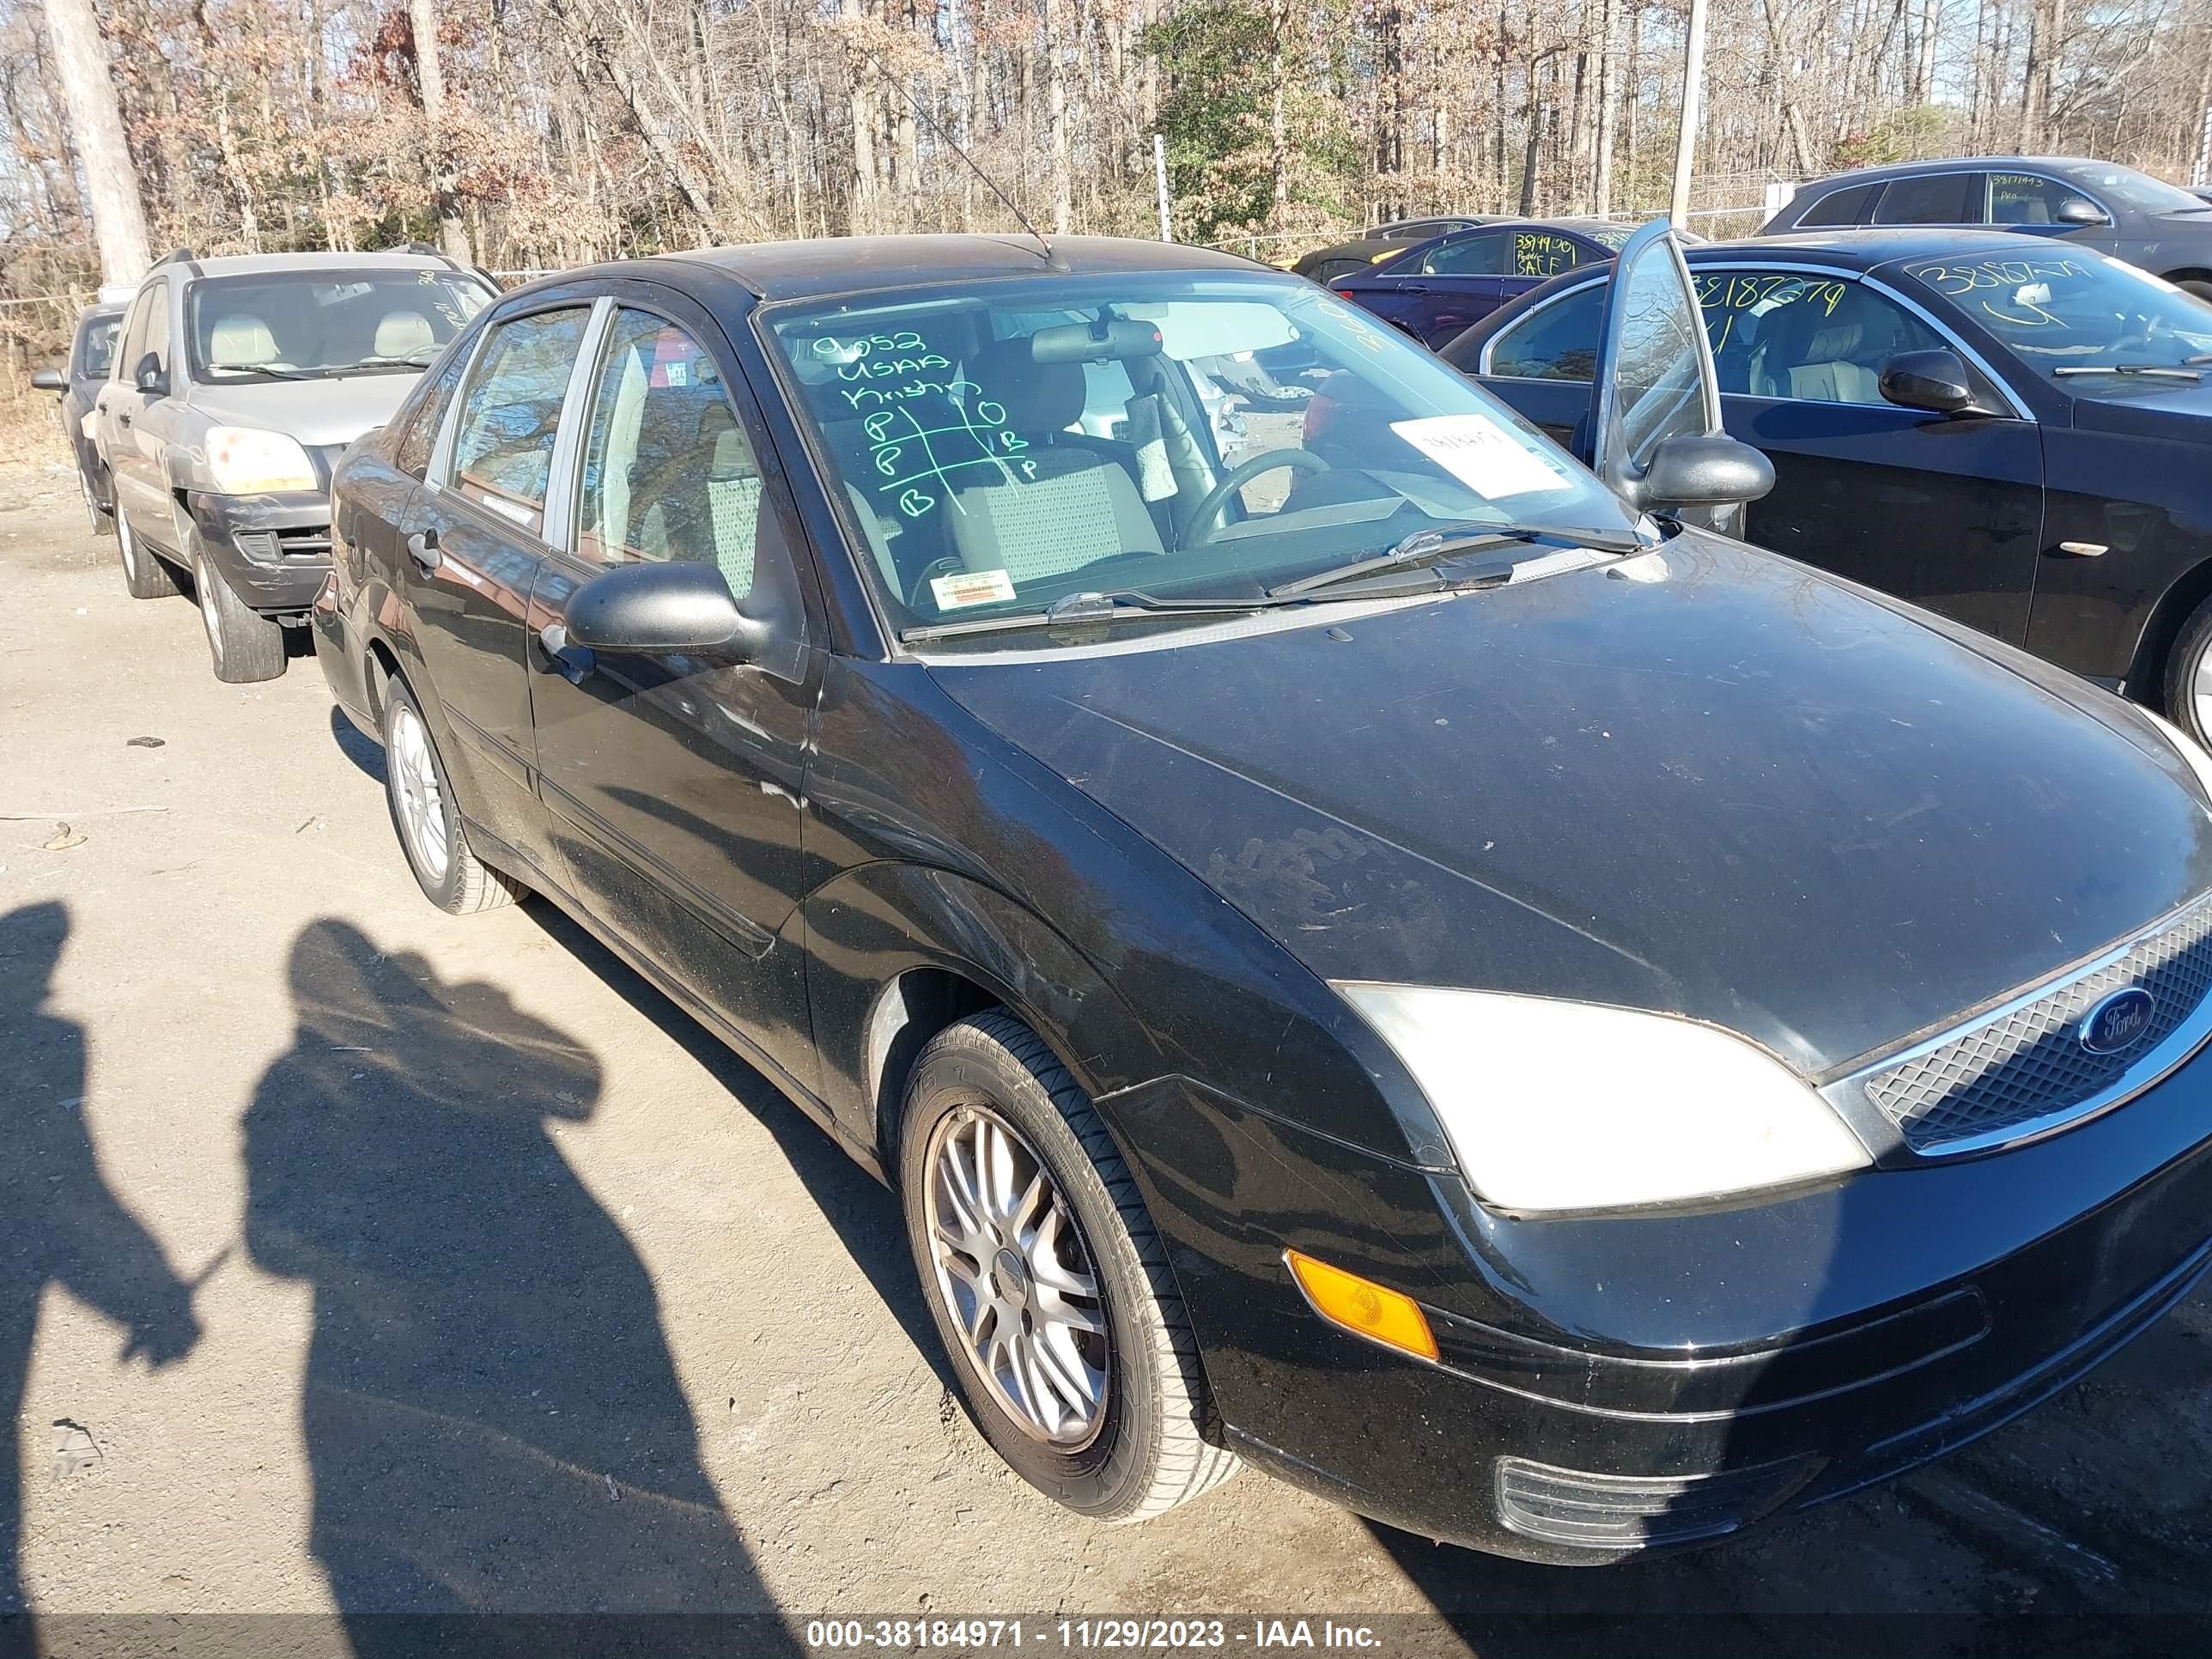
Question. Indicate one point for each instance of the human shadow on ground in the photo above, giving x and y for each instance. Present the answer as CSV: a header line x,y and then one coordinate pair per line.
x,y
492,1418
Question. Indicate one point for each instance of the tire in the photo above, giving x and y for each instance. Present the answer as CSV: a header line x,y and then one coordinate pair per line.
x,y
1144,1447
2188,685
245,645
2196,285
145,573
450,874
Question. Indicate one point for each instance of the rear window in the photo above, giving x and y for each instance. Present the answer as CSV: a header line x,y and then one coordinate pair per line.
x,y
1935,198
1841,207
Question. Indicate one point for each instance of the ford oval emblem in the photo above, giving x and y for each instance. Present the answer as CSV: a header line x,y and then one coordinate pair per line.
x,y
2117,1021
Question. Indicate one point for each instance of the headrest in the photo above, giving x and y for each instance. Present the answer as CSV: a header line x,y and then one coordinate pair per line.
x,y
404,334
1037,397
1834,342
240,341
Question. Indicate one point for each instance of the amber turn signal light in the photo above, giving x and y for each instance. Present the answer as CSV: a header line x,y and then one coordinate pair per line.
x,y
1359,1305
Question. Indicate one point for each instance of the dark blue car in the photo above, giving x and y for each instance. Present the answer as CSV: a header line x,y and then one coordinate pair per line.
x,y
1436,288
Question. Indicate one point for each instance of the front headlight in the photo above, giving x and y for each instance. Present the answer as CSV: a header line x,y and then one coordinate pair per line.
x,y
2191,752
1555,1105
244,460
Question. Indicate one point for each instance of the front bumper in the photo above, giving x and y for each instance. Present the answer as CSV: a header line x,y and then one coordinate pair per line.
x,y
273,549
1610,1386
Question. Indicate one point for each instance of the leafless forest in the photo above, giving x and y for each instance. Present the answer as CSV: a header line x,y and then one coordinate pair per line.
x,y
541,132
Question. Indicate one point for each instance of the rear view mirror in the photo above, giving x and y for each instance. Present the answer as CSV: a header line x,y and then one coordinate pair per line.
x,y
677,606
1695,469
48,380
1936,381
2080,210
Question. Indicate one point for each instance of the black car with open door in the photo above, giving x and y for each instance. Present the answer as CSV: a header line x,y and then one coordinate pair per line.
x,y
1410,966
2014,440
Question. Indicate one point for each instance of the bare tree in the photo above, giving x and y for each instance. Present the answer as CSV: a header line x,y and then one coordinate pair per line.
x,y
452,234
119,217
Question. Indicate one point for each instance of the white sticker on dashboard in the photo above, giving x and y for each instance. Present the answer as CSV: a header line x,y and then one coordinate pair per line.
x,y
971,587
1484,456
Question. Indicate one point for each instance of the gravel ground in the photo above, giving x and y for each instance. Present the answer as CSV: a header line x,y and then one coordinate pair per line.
x,y
358,1257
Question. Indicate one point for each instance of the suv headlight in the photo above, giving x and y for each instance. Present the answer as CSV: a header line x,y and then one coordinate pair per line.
x,y
244,460
2191,752
1553,1105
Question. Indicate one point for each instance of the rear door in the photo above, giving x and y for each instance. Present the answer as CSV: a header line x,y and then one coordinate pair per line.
x,y
673,781
475,538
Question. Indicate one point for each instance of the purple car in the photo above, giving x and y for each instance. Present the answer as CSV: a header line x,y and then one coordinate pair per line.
x,y
1434,289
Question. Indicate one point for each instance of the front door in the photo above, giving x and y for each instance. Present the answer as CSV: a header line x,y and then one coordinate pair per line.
x,y
675,782
135,461
474,537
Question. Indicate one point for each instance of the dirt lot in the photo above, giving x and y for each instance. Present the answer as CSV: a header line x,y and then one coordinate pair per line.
x,y
353,1256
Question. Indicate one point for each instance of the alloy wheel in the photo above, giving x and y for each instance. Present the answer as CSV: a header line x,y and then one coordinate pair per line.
x,y
125,541
1015,1275
2200,687
203,590
415,784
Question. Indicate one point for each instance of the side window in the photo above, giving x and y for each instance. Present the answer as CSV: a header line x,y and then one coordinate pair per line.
x,y
669,472
1557,342
1480,255
503,451
157,324
412,456
134,331
2023,198
1814,339
1848,206
1544,253
1933,198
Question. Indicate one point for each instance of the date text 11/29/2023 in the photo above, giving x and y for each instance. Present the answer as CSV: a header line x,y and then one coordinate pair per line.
x,y
1085,1635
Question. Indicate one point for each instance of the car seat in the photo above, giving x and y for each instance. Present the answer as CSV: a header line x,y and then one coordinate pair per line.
x,y
241,341
1057,504
403,334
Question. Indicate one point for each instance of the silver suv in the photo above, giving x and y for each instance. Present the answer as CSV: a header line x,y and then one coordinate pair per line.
x,y
236,384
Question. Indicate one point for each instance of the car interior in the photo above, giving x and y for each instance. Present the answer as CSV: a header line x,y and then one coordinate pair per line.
x,y
308,325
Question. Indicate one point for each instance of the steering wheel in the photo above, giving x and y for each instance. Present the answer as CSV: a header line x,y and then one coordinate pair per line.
x,y
1198,528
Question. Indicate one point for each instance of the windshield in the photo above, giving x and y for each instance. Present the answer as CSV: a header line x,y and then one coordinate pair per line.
x,y
2137,190
2081,311
309,324
998,448
99,348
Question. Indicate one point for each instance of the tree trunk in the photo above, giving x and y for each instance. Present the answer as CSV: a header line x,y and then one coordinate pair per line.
x,y
119,215
1608,92
1055,97
452,233
860,216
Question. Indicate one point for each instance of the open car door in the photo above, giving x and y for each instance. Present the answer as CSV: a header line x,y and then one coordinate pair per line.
x,y
1655,419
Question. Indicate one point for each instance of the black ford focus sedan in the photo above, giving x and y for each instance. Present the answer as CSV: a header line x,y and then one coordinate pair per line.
x,y
1550,1027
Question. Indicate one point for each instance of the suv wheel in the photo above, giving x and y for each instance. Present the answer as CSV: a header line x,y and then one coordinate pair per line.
x,y
1049,1287
246,645
429,823
146,576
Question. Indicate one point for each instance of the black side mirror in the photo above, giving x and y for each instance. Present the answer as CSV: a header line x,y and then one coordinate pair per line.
x,y
2080,210
150,377
48,380
1702,470
1936,381
677,606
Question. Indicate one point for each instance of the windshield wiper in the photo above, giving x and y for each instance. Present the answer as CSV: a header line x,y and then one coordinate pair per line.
x,y
270,370
422,362
1072,610
1437,544
2155,371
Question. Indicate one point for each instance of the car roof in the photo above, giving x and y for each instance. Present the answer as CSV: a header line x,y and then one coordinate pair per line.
x,y
871,265
1862,250
244,265
99,308
1943,164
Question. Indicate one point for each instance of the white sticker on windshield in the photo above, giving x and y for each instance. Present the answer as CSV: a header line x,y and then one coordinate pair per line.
x,y
971,587
1484,456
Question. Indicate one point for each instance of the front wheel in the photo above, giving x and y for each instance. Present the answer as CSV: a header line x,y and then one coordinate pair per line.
x,y
2188,685
1049,1285
246,646
2197,286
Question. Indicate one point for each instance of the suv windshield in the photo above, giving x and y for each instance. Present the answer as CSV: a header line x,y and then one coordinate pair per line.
x,y
2080,318
998,447
309,324
98,352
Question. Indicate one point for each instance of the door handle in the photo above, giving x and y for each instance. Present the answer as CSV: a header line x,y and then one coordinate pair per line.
x,y
1415,288
2085,549
423,548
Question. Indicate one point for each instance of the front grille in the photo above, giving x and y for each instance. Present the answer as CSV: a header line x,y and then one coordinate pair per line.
x,y
2027,1062
1618,1512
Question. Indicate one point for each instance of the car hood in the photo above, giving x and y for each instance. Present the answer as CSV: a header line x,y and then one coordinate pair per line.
x,y
320,414
2145,408
1740,793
